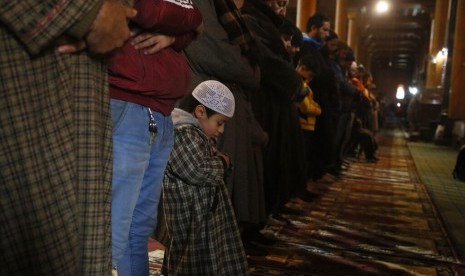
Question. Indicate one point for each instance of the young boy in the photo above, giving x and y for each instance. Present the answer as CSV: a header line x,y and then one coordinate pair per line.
x,y
204,237
291,36
307,67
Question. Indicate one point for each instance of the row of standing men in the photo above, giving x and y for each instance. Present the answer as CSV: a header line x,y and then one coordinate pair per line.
x,y
57,181
273,157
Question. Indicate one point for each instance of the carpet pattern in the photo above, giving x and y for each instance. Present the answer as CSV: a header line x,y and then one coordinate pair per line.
x,y
435,164
156,253
378,219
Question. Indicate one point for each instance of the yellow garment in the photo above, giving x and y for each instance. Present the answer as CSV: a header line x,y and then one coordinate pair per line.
x,y
308,110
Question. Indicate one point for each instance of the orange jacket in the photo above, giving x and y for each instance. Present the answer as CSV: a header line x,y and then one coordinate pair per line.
x,y
308,110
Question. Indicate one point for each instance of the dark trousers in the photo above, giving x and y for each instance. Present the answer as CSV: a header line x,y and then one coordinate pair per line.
x,y
310,146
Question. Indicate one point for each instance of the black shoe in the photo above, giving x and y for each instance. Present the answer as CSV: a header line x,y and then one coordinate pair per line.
x,y
308,196
336,172
290,211
278,219
256,237
254,250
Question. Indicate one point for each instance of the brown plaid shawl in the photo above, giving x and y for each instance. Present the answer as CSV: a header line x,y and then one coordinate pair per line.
x,y
231,20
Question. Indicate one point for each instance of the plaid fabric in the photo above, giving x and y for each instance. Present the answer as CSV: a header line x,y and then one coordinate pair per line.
x,y
231,20
229,64
203,232
55,146
37,24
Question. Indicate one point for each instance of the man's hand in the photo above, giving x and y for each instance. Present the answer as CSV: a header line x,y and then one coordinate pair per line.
x,y
109,29
66,46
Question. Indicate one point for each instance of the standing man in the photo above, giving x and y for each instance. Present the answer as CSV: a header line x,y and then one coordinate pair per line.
x,y
55,135
225,52
326,95
275,108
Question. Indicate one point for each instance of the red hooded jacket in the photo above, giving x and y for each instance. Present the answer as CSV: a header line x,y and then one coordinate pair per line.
x,y
157,80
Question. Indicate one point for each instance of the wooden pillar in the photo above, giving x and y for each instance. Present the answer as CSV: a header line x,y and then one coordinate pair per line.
x,y
305,9
419,66
352,33
341,19
437,42
363,55
457,91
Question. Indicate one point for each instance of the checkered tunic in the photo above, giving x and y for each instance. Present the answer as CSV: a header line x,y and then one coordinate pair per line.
x,y
55,145
200,219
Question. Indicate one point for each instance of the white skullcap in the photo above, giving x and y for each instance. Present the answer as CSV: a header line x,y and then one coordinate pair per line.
x,y
216,96
353,65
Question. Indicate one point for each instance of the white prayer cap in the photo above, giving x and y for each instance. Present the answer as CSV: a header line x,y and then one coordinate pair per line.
x,y
216,96
353,65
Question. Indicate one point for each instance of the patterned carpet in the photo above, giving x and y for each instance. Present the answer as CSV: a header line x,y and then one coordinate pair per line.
x,y
378,219
156,252
434,164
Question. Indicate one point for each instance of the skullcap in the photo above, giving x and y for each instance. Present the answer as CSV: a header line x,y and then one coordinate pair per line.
x,y
216,96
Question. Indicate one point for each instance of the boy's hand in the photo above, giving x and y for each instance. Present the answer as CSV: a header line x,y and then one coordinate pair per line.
x,y
151,43
223,156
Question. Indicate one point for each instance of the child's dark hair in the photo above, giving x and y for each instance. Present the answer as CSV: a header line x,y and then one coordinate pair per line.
x,y
189,103
290,29
316,20
310,62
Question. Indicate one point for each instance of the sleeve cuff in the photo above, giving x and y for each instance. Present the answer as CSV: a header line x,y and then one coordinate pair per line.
x,y
80,29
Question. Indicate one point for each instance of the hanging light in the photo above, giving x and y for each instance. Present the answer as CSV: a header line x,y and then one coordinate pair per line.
x,y
413,90
442,55
400,94
382,6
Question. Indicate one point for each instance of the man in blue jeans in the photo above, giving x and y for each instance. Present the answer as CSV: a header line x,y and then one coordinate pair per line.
x,y
144,87
138,170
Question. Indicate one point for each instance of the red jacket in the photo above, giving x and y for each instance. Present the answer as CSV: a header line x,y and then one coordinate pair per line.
x,y
156,80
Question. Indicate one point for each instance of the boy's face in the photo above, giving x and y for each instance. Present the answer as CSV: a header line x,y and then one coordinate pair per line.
x,y
332,45
345,64
294,50
212,126
290,48
286,39
306,74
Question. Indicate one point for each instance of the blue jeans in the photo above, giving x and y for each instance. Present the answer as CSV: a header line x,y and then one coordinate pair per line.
x,y
138,169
